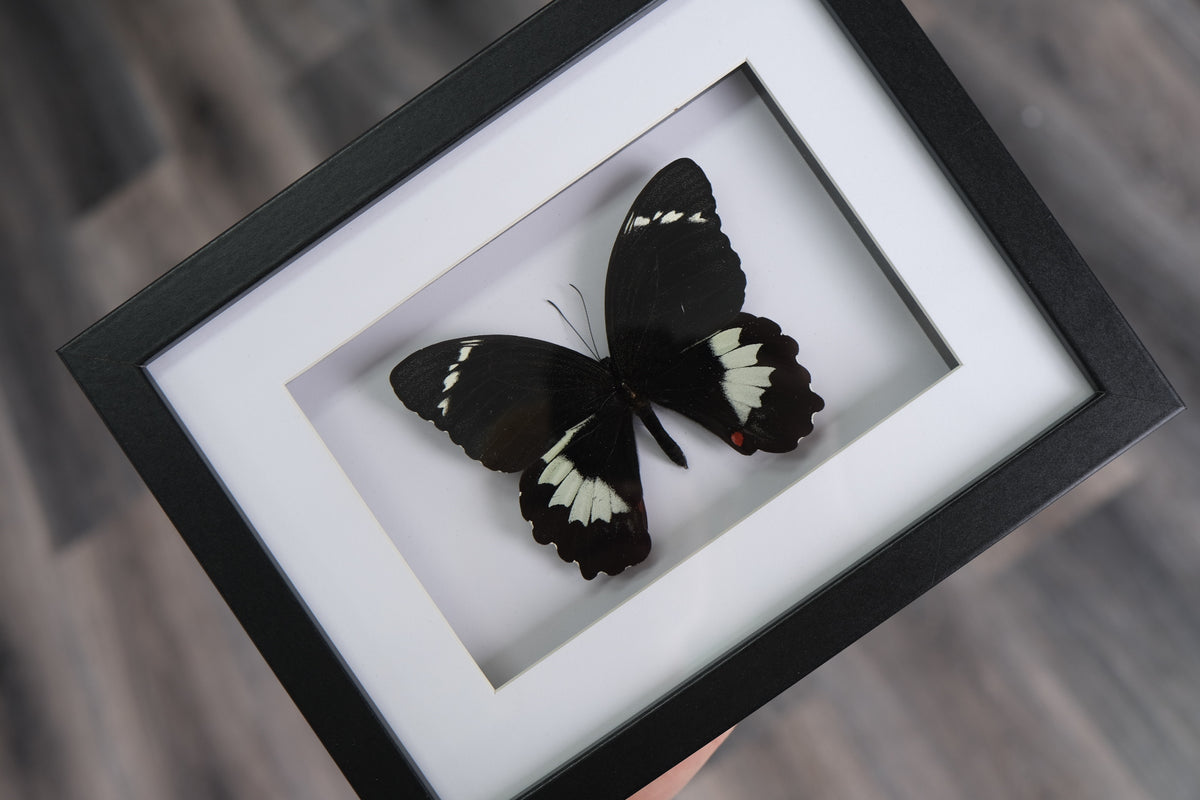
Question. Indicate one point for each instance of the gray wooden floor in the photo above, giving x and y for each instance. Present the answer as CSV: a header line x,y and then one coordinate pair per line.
x,y
1065,663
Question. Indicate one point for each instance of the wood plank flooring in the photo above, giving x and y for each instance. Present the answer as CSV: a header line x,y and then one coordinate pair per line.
x,y
1064,663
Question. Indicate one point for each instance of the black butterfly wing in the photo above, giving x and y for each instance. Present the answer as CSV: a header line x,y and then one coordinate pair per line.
x,y
517,404
672,276
676,330
503,399
744,384
584,494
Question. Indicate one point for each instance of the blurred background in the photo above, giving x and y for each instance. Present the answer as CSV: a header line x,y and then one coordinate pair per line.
x,y
1064,663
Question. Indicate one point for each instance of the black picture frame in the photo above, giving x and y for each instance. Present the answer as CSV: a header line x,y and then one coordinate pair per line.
x,y
109,360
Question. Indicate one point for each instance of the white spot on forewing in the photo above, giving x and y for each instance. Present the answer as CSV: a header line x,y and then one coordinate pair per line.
x,y
444,405
464,351
657,214
451,379
745,356
696,218
721,343
640,222
671,216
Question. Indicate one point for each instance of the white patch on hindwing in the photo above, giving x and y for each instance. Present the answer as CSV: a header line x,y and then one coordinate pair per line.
x,y
590,499
561,444
724,341
744,380
465,346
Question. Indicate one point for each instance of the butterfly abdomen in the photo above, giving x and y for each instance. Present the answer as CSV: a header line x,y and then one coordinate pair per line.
x,y
639,404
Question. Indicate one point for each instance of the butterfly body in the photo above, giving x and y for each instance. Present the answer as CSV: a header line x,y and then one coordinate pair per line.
x,y
677,338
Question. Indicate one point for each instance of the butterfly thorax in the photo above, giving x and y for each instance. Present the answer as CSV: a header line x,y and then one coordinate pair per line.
x,y
627,393
640,405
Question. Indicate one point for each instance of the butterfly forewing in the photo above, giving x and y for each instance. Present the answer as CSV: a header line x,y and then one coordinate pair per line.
x,y
584,495
504,399
672,276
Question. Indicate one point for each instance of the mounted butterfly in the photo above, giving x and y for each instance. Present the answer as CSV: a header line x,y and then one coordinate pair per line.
x,y
677,337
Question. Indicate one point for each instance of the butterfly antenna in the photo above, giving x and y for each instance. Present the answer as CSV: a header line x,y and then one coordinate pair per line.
x,y
595,354
582,302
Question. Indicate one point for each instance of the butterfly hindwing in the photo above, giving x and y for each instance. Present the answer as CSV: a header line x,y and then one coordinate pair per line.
x,y
584,494
743,383
504,399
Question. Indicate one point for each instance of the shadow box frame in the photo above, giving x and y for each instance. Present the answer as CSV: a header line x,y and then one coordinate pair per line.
x,y
229,367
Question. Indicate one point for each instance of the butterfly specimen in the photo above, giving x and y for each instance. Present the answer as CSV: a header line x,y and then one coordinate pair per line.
x,y
677,337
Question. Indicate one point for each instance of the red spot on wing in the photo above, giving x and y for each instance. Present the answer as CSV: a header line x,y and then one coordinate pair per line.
x,y
737,438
